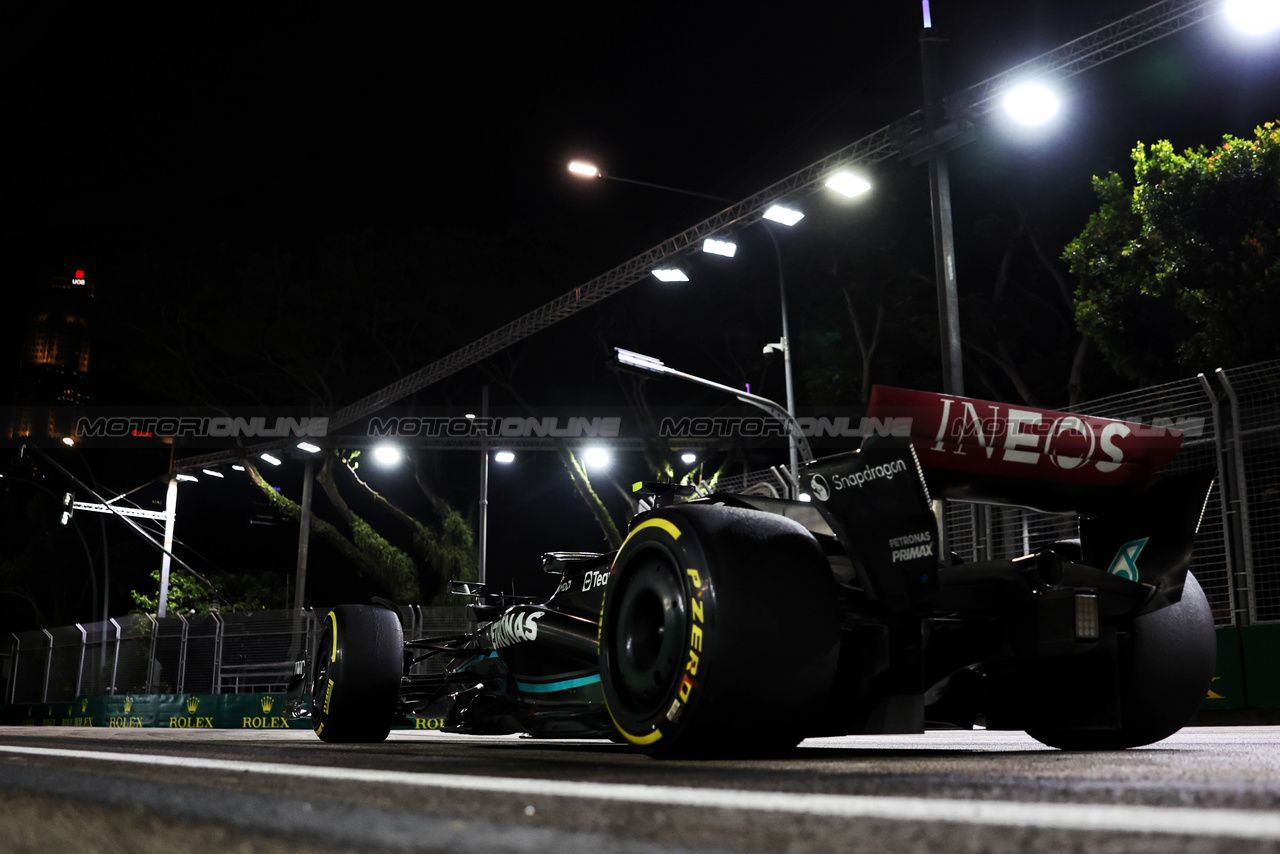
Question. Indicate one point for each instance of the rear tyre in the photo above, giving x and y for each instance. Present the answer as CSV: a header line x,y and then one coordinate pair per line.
x,y
355,678
1164,670
719,632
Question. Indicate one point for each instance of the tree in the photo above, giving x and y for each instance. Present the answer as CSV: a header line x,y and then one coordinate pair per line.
x,y
1181,272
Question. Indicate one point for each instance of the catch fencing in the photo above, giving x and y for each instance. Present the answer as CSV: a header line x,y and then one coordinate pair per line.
x,y
1231,423
235,653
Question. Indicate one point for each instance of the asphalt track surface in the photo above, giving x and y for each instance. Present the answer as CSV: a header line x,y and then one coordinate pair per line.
x,y
138,791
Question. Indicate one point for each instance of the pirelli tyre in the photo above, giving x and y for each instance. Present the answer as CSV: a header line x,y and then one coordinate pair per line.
x,y
719,632
1166,665
355,676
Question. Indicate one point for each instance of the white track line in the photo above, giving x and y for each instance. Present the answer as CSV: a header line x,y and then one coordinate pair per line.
x,y
1245,824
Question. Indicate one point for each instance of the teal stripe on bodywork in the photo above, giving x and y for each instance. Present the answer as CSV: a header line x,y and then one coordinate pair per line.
x,y
548,687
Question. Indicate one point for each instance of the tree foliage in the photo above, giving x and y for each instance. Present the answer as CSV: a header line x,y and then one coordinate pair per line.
x,y
1181,270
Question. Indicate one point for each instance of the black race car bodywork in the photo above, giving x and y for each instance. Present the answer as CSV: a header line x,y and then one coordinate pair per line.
x,y
741,624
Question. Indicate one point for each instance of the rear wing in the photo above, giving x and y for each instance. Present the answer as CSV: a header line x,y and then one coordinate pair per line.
x,y
1059,462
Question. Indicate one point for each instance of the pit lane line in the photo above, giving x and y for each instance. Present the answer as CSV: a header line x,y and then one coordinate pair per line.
x,y
1242,824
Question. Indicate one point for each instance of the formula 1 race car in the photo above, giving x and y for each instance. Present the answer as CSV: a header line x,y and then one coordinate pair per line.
x,y
735,624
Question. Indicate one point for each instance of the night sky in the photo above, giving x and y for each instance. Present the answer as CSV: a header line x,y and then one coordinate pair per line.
x,y
173,131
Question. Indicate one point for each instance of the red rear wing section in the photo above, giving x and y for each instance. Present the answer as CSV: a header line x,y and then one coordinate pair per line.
x,y
980,450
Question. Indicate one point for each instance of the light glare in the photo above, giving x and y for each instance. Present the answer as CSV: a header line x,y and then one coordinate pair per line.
x,y
583,168
784,216
595,458
848,183
1031,103
1253,17
688,458
504,457
388,455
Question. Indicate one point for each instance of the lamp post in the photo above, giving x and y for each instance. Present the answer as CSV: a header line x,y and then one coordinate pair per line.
x,y
944,250
649,363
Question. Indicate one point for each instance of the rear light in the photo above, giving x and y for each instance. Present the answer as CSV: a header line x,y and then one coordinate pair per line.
x,y
1088,625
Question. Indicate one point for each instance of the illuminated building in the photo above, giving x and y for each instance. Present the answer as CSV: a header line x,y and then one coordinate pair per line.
x,y
53,371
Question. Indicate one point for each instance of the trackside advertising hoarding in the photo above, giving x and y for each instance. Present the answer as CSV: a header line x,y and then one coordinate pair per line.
x,y
169,711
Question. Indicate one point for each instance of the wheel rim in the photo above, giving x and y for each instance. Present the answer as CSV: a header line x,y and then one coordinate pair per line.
x,y
648,643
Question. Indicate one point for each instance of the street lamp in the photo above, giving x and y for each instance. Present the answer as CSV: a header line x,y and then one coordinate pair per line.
x,y
799,443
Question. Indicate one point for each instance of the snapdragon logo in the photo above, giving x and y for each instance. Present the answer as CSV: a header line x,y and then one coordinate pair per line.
x,y
868,474
218,427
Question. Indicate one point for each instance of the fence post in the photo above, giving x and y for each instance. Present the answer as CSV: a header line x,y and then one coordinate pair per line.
x,y
181,685
217,652
115,657
13,667
151,653
1239,491
1220,463
48,665
84,643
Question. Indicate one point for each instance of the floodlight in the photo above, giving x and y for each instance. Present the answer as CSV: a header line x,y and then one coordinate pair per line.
x,y
849,184
583,168
670,275
308,447
688,458
213,473
504,457
1031,103
273,460
727,248
595,458
388,455
1253,17
783,216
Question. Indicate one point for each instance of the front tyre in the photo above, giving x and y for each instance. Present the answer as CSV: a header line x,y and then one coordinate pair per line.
x,y
1165,671
719,632
355,677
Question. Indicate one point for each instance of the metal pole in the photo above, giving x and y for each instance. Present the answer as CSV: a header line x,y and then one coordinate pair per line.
x,y
786,363
483,524
170,508
304,534
943,237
